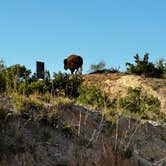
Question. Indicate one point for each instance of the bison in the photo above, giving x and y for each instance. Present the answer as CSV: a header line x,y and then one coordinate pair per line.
x,y
73,62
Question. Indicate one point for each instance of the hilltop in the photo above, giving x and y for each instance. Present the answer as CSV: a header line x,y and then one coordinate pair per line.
x,y
116,84
44,130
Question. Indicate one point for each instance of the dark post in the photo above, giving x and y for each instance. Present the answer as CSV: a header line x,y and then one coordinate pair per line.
x,y
40,70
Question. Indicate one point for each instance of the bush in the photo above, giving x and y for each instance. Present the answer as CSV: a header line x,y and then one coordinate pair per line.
x,y
24,89
144,67
72,86
38,86
64,84
132,101
59,82
61,85
14,75
140,103
91,96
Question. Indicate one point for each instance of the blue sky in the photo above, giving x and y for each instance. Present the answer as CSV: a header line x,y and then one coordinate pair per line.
x,y
109,30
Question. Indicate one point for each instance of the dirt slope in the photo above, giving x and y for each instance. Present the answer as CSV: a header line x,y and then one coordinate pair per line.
x,y
97,142
25,142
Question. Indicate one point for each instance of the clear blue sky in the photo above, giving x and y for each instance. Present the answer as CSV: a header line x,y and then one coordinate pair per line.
x,y
109,30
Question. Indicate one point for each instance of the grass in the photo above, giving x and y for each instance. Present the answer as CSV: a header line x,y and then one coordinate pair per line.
x,y
36,104
36,109
69,130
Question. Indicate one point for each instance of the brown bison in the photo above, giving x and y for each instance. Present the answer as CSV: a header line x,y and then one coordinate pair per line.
x,y
73,62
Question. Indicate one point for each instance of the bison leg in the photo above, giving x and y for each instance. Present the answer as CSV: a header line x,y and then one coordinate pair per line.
x,y
80,70
72,71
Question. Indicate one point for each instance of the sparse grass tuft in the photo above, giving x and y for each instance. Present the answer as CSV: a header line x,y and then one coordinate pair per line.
x,y
68,130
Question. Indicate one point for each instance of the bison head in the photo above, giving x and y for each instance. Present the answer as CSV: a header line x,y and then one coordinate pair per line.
x,y
65,64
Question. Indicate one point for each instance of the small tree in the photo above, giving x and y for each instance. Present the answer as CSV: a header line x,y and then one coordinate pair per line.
x,y
16,74
97,67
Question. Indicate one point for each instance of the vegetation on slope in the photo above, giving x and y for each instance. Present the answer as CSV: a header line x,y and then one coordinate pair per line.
x,y
146,68
39,102
16,79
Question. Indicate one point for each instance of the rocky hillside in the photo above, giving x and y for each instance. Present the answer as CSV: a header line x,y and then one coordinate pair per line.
x,y
63,133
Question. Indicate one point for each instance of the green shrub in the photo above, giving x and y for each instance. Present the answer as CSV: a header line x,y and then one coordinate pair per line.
x,y
140,103
59,82
64,84
18,102
72,86
39,86
132,102
91,96
36,86
144,67
24,89
14,75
